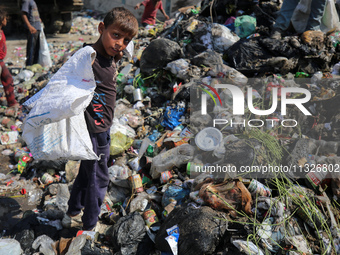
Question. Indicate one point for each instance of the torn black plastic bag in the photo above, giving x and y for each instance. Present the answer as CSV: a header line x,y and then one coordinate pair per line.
x,y
262,55
200,230
128,232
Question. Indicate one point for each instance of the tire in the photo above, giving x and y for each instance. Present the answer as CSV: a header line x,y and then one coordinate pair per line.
x,y
67,19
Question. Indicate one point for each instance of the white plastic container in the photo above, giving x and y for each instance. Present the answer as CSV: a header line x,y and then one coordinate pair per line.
x,y
208,139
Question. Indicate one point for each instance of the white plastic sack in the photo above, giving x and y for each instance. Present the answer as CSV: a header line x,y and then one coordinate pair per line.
x,y
10,246
44,58
55,128
330,17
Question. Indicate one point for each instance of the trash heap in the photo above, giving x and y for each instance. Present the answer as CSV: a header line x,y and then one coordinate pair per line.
x,y
188,181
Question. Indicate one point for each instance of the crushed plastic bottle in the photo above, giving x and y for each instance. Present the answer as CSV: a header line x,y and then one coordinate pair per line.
x,y
171,158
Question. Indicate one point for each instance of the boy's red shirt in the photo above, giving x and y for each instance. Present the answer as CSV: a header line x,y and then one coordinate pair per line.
x,y
3,48
150,11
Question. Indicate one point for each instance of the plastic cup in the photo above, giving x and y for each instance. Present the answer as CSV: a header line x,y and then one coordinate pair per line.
x,y
208,139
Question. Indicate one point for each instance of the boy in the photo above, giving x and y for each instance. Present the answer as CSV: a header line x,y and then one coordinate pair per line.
x,y
31,18
5,75
150,11
89,188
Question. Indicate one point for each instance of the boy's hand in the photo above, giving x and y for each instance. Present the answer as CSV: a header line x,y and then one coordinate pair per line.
x,y
166,17
118,56
32,30
137,6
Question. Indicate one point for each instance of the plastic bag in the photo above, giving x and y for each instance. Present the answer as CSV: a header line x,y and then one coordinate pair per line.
x,y
229,73
247,247
223,38
174,192
76,245
128,232
45,243
140,202
172,116
193,238
121,137
179,68
10,246
119,143
245,25
44,58
55,128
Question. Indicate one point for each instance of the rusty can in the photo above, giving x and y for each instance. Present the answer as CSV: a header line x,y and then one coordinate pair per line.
x,y
150,217
136,183
165,176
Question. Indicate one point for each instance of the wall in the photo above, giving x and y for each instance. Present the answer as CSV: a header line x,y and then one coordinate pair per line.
x,y
171,6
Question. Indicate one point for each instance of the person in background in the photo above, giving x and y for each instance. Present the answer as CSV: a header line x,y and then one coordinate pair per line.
x,y
150,11
5,75
286,13
30,16
89,188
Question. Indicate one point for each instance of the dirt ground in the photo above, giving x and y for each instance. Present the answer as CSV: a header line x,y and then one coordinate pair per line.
x,y
19,41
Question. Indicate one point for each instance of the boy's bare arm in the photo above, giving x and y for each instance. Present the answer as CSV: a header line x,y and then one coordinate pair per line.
x,y
137,6
165,15
28,24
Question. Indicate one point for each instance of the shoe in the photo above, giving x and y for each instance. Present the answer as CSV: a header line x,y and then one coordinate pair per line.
x,y
72,221
276,35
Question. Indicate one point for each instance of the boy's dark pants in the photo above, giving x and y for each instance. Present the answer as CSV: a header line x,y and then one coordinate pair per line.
x,y
90,186
33,45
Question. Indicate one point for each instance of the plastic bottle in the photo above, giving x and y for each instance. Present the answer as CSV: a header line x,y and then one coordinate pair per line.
x,y
317,77
171,158
194,169
121,77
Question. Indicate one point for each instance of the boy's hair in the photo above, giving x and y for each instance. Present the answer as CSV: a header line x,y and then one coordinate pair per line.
x,y
123,18
3,14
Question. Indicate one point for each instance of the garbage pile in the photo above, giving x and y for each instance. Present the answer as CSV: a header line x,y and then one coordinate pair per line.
x,y
224,140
